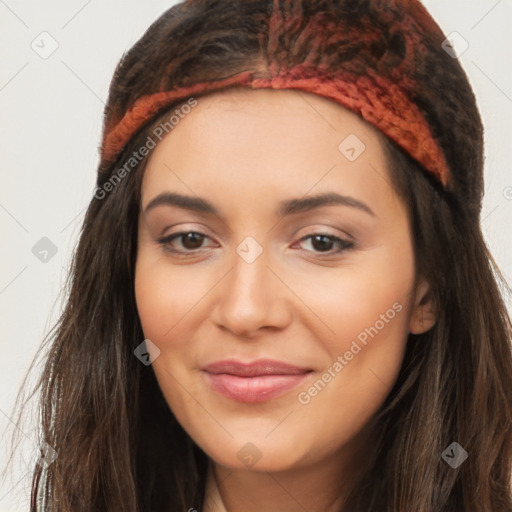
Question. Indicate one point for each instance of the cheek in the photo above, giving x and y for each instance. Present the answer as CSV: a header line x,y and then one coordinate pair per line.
x,y
164,297
157,304
368,309
172,305
365,302
165,303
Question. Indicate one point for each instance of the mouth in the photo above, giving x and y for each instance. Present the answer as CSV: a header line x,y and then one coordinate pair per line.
x,y
254,382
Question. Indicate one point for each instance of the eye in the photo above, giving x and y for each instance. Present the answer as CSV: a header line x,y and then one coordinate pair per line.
x,y
323,243
191,241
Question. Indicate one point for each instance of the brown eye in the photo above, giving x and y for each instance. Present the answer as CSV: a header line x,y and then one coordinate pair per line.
x,y
190,241
324,242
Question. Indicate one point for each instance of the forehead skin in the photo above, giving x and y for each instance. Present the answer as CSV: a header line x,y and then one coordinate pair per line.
x,y
292,144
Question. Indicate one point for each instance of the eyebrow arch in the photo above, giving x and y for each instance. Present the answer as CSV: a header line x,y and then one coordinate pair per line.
x,y
291,206
286,207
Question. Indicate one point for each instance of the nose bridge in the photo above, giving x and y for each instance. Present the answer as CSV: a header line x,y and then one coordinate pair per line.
x,y
250,276
248,297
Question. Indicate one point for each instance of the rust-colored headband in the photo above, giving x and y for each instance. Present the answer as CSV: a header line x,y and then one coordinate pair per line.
x,y
380,102
385,60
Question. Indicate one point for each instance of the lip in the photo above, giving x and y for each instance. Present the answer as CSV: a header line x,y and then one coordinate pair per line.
x,y
257,381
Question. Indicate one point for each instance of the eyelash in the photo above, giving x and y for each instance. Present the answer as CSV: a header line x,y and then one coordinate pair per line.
x,y
166,241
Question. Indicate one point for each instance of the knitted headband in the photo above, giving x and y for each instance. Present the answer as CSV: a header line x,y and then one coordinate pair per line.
x,y
383,59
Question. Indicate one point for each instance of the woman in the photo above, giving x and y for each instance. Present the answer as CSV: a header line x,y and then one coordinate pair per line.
x,y
281,298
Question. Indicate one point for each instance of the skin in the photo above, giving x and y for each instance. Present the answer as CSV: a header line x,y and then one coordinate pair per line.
x,y
298,302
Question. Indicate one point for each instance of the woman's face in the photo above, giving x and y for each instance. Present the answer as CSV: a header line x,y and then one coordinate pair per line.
x,y
299,253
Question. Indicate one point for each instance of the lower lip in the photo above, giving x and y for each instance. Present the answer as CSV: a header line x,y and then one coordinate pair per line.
x,y
253,389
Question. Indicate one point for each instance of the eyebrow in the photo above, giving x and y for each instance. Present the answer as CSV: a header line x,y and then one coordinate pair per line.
x,y
285,207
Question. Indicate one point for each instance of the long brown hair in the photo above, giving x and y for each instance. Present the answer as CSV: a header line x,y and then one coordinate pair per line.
x,y
119,445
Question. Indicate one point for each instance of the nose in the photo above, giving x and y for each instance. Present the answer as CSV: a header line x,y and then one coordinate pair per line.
x,y
252,298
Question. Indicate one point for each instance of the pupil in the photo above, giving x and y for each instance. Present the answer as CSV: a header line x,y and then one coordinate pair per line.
x,y
322,245
189,237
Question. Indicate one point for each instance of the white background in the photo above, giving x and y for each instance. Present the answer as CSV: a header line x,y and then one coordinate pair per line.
x,y
51,118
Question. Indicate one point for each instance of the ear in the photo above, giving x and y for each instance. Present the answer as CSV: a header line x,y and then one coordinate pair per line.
x,y
423,315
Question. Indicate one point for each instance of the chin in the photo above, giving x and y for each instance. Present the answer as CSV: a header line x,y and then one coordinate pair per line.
x,y
256,454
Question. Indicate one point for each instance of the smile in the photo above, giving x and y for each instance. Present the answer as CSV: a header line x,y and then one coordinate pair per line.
x,y
254,382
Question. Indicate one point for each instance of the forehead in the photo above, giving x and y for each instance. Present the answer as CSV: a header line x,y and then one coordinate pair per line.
x,y
289,102
241,139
